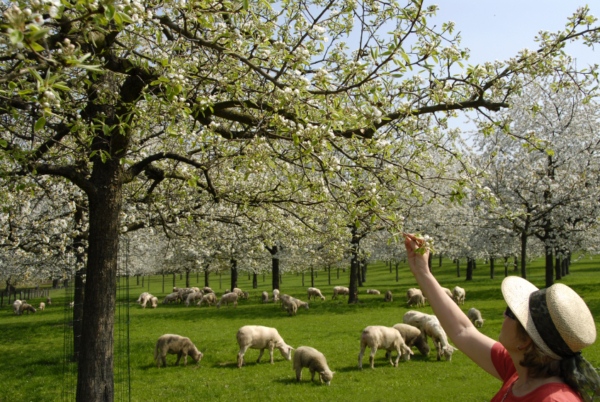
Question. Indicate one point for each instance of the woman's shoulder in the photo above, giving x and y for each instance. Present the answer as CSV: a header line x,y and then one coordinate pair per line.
x,y
554,392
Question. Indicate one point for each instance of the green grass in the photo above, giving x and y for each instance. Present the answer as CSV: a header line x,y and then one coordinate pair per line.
x,y
32,346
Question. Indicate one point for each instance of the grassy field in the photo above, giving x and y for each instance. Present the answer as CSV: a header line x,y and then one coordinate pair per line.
x,y
32,346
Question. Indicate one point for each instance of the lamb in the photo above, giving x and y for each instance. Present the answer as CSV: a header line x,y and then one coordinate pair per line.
x,y
16,304
175,345
411,292
206,289
275,295
314,292
141,298
475,317
192,297
226,291
292,305
42,306
373,292
340,290
433,329
265,297
228,298
458,294
26,307
246,295
448,292
378,336
412,337
284,298
49,301
388,296
195,289
72,304
417,299
238,291
209,299
315,361
154,301
259,337
172,297
416,318
148,297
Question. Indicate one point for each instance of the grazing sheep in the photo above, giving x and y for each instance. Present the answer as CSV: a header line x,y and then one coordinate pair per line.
x,y
154,301
340,290
434,330
141,298
292,305
16,304
416,318
265,297
417,299
175,345
448,292
411,292
388,296
315,361
172,297
209,299
192,297
259,337
26,307
228,298
42,306
147,298
475,317
458,294
226,291
284,298
275,295
49,301
195,289
238,292
246,295
412,337
314,292
380,337
206,289
72,304
373,292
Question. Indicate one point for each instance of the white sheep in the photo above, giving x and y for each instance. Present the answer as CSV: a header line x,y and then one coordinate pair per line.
x,y
172,297
315,361
341,291
42,306
275,295
259,337
417,299
72,304
146,298
265,297
175,345
206,289
411,292
49,301
26,307
284,298
209,299
373,292
388,296
413,337
141,298
448,292
380,337
154,302
292,305
195,289
16,304
475,317
458,294
192,297
314,292
239,292
434,330
228,298
416,318
246,295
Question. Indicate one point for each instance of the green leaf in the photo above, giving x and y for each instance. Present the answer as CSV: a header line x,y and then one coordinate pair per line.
x,y
109,12
34,36
36,47
245,4
62,86
16,36
3,143
40,124
12,85
118,19
25,92
550,152
103,156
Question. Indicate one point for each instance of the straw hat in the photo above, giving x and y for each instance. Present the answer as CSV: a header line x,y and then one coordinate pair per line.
x,y
558,306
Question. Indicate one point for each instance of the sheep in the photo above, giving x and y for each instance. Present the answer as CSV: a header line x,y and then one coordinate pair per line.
x,y
16,304
228,298
340,290
172,297
417,299
413,337
238,292
416,318
42,306
378,336
206,289
246,295
388,296
434,330
141,298
265,297
411,292
192,297
175,345
448,292
148,297
26,307
284,298
373,292
314,292
458,294
292,305
259,337
475,317
154,301
49,301
275,295
315,361
195,289
226,291
209,299
72,304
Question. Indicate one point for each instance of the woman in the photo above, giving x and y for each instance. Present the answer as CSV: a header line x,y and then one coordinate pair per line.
x,y
538,357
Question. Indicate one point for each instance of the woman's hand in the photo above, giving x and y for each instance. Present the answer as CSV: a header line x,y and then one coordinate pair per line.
x,y
417,262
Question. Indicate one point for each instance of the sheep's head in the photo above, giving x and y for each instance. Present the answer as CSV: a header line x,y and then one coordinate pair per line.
x,y
406,352
326,376
306,306
447,352
479,323
286,351
323,298
197,356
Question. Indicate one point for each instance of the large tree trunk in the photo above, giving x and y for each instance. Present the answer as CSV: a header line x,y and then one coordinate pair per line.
x,y
524,254
163,290
302,278
469,269
505,267
312,277
275,267
558,266
364,270
492,274
187,279
78,297
55,283
549,267
397,264
95,368
516,264
174,279
206,277
390,266
458,268
234,274
329,269
354,270
440,260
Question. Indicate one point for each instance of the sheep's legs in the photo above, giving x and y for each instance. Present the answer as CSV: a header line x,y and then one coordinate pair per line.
x,y
312,375
372,356
360,355
185,360
178,357
240,356
164,360
397,358
298,374
270,353
260,355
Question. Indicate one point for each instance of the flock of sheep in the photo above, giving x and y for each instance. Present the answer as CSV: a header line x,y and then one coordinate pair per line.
x,y
415,330
21,306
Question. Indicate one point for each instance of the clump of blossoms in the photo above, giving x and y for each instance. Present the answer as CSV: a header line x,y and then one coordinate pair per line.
x,y
424,242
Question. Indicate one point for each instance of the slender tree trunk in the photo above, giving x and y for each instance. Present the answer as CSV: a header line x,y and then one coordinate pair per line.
x,y
492,274
254,280
390,262
524,238
329,269
458,268
163,283
469,269
364,271
360,282
174,279
55,283
474,263
549,267
397,278
234,274
440,260
187,279
275,267
564,265
206,277
505,267
354,270
516,263
557,265
568,262
143,277
197,277
137,277
302,278
312,277
338,272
